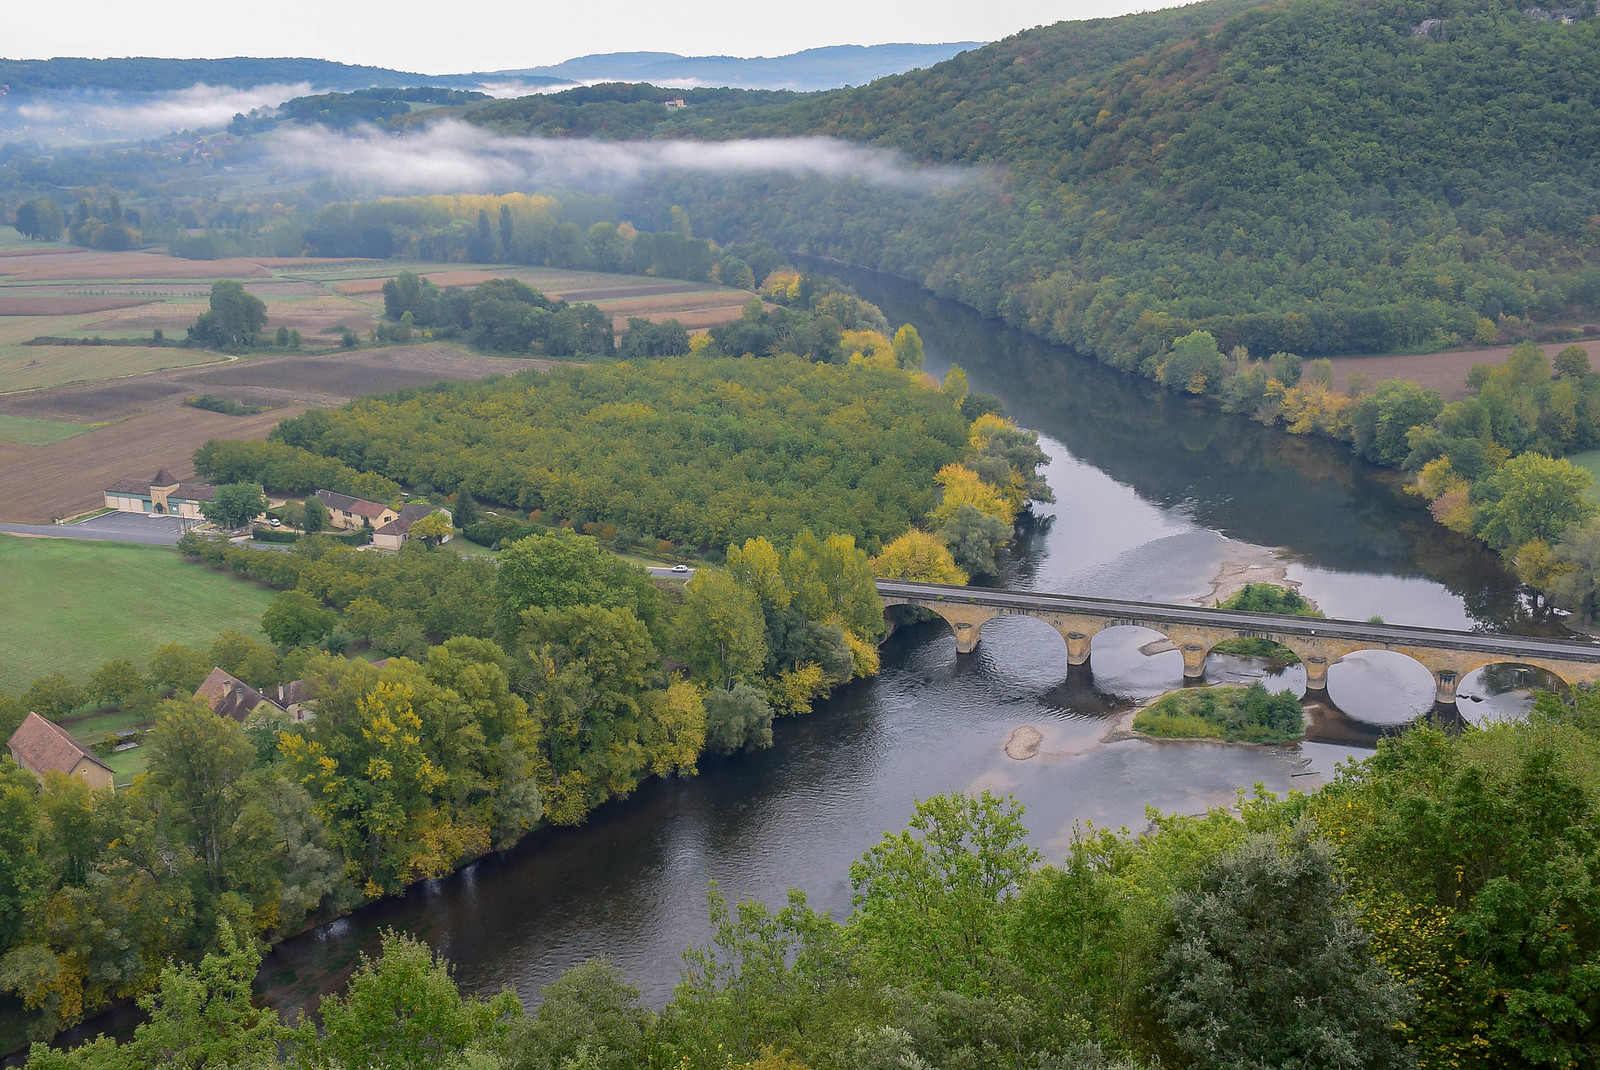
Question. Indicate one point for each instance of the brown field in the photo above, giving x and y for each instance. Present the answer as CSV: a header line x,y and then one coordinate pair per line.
x,y
1445,372
41,482
84,264
11,305
156,429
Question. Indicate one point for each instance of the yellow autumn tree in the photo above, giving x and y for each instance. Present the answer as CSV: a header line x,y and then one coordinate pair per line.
x,y
918,556
962,486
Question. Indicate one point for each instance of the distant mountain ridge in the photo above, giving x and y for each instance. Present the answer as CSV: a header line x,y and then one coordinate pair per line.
x,y
813,69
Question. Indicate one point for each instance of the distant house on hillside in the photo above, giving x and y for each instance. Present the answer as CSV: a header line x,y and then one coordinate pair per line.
x,y
296,698
162,494
353,513
394,534
42,746
229,696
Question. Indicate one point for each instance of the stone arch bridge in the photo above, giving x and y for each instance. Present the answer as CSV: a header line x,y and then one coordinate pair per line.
x,y
1319,643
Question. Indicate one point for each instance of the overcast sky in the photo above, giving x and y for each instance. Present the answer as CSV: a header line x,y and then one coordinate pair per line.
x,y
435,38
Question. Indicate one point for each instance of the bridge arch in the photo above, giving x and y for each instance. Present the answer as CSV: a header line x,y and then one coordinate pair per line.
x,y
1385,687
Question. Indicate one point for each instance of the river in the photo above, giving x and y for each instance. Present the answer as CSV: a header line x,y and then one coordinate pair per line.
x,y
1156,495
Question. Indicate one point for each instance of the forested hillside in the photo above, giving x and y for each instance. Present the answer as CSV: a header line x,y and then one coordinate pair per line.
x,y
1312,176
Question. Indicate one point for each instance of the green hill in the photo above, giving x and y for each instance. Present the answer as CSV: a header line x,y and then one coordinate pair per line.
x,y
1320,176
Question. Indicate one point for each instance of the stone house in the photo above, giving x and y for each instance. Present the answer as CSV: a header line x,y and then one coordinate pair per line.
x,y
350,513
42,746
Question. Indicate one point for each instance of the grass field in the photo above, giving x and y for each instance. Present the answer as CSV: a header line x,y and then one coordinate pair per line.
x,y
26,432
35,367
1589,461
70,606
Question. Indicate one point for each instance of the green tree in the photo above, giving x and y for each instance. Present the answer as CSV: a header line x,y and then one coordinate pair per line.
x,y
54,696
1195,364
178,669
40,219
234,320
563,569
403,1011
1573,362
118,682
23,870
294,618
589,1016
739,718
1381,419
315,516
234,505
1575,581
720,632
928,901
908,348
1531,497
201,1017
434,528
197,764
1267,966
973,537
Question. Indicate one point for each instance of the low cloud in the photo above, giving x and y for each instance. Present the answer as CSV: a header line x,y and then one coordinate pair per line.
x,y
104,115
454,157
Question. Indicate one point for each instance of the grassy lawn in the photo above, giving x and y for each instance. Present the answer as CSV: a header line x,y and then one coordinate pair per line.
x,y
70,605
92,726
1589,460
26,432
127,765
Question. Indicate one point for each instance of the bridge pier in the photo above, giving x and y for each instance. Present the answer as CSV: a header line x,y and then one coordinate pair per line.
x,y
1316,673
1077,649
1194,660
1444,696
967,636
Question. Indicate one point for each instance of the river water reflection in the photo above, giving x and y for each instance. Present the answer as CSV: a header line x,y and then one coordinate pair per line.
x,y
1156,497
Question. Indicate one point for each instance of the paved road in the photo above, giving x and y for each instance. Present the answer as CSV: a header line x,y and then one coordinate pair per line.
x,y
668,574
112,527
1152,613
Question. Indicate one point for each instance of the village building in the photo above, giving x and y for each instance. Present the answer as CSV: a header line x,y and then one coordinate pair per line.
x,y
394,534
161,495
42,746
352,514
295,698
229,696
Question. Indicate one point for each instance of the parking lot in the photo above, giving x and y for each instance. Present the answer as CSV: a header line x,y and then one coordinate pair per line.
x,y
152,530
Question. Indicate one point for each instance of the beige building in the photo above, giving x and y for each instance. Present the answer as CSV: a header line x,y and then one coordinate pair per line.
x,y
42,746
394,534
354,513
162,494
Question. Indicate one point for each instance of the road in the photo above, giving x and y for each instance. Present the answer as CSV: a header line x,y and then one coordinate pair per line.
x,y
1151,613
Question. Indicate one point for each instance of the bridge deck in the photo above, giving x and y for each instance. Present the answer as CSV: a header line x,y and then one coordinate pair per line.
x,y
1144,613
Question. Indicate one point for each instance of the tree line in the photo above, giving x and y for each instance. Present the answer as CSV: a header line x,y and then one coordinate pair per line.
x,y
1429,908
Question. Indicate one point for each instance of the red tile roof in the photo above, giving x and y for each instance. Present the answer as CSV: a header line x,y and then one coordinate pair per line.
x,y
39,746
229,696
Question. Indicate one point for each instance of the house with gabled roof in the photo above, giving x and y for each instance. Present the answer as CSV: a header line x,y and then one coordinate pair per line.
x,y
394,534
42,746
352,513
229,696
161,494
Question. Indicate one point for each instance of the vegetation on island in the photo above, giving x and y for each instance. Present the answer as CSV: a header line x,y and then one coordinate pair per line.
x,y
1430,908
1232,714
1265,598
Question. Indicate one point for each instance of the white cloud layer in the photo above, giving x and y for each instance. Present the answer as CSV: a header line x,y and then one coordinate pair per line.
x,y
95,115
453,157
